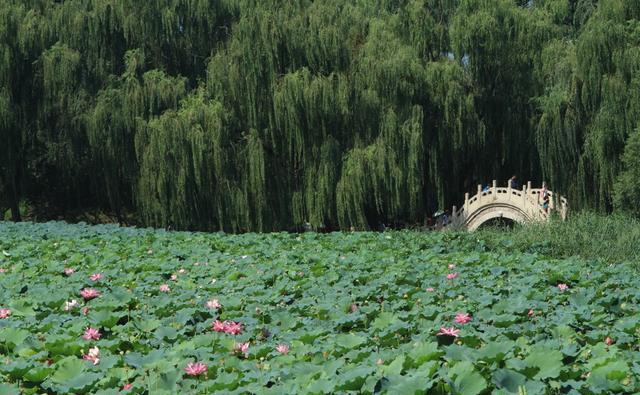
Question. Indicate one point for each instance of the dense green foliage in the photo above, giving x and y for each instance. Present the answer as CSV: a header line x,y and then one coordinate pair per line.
x,y
359,312
610,239
263,115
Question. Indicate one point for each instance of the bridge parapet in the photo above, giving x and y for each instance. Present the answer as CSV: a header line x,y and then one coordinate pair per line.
x,y
520,205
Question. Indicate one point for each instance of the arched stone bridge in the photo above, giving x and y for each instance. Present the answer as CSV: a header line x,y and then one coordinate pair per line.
x,y
520,206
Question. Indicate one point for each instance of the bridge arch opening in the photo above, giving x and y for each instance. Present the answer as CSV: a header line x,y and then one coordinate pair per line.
x,y
496,211
498,223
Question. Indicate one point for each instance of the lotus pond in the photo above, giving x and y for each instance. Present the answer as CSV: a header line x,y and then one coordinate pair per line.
x,y
108,310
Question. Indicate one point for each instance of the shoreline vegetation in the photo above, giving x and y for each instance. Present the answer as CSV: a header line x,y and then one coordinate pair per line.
x,y
607,238
611,238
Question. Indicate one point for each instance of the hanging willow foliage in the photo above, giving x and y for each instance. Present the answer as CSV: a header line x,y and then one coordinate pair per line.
x,y
111,126
177,184
264,115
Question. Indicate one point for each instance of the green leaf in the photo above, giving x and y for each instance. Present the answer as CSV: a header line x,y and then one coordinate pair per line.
x,y
460,368
68,369
395,367
9,389
609,377
13,336
83,381
321,386
470,383
549,362
508,380
384,320
495,351
165,381
38,374
138,360
349,340
166,332
352,378
148,325
104,318
423,352
408,385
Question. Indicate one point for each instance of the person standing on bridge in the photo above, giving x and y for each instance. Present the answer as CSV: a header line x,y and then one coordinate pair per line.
x,y
545,198
513,182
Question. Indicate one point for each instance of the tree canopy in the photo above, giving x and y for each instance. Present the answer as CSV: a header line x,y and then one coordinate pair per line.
x,y
258,115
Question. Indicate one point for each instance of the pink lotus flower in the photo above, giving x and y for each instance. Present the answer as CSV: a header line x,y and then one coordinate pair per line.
x,y
5,313
213,304
563,287
230,327
95,277
89,293
448,332
452,266
452,276
430,289
127,387
174,277
93,355
70,305
233,328
462,318
91,334
241,348
69,271
608,341
164,288
196,369
218,326
85,310
3,270
531,313
282,349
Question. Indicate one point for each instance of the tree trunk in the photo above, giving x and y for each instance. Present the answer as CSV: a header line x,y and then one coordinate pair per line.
x,y
14,200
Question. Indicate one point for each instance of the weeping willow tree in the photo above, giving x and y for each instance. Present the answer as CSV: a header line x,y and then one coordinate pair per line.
x,y
16,69
60,127
559,131
499,44
111,125
10,147
377,181
264,115
627,186
590,105
171,177
455,131
608,60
